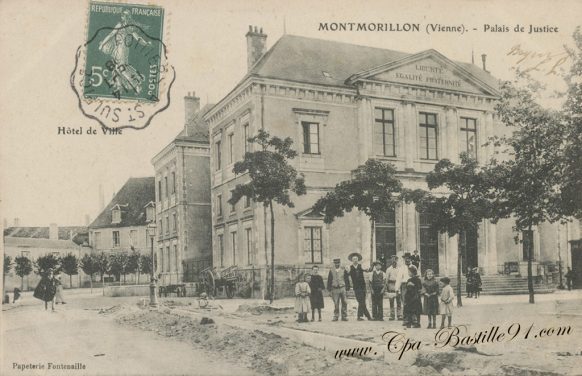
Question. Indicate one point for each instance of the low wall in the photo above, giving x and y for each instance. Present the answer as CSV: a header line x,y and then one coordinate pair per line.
x,y
127,290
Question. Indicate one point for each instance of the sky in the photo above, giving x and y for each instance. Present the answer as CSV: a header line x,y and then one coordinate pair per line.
x,y
49,178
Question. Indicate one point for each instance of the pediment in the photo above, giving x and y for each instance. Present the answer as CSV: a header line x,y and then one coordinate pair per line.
x,y
428,69
309,213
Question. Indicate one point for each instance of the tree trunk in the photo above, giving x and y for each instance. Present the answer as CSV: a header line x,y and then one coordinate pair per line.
x,y
91,283
264,280
462,242
70,281
21,283
372,233
137,280
272,252
530,286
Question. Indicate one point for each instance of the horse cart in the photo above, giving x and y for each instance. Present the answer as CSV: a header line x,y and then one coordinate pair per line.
x,y
215,280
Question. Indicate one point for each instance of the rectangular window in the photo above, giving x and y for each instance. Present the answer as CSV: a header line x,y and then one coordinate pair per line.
x,y
97,239
218,162
161,228
233,246
115,239
169,259
386,235
167,225
221,249
173,182
428,136
429,243
159,190
231,148
149,213
232,206
384,138
249,240
246,138
132,238
247,202
116,216
174,223
310,137
166,186
219,205
161,266
175,258
468,137
312,245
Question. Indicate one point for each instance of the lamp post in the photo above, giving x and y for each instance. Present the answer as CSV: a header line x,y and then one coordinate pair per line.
x,y
151,230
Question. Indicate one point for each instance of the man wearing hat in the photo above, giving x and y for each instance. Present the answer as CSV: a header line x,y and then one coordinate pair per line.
x,y
378,283
359,283
392,277
338,282
402,278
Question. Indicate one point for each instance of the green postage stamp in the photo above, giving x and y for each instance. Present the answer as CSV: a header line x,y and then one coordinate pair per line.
x,y
122,78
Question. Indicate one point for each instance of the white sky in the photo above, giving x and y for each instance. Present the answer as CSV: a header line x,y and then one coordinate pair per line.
x,y
48,178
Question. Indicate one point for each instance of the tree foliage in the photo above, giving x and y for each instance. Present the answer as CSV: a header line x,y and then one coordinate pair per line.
x,y
145,262
271,179
22,267
7,264
118,264
89,265
70,266
44,263
102,264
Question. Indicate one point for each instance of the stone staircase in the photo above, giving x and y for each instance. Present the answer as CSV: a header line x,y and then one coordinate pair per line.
x,y
504,285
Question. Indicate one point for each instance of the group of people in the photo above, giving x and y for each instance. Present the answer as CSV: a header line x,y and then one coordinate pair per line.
x,y
50,289
408,295
473,282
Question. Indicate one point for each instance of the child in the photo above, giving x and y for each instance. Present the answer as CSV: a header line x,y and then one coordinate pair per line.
x,y
302,304
412,304
431,298
446,304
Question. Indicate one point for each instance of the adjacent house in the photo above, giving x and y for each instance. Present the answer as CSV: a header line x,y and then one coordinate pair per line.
x,y
182,175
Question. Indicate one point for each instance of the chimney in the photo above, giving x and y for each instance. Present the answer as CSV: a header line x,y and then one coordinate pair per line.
x,y
256,45
484,59
191,106
53,231
16,222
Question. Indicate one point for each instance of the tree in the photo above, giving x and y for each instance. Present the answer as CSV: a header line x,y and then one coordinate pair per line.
x,y
70,266
7,267
44,263
118,263
373,189
22,268
462,208
145,262
528,185
272,179
89,266
133,264
572,112
102,262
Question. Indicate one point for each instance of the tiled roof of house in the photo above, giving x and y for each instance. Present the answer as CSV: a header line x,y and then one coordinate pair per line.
x,y
78,234
303,59
196,129
132,198
22,242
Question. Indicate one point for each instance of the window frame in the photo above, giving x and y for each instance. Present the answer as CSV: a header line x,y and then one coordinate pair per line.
x,y
230,139
116,240
466,131
307,139
218,155
233,246
247,144
219,212
426,127
220,244
384,122
311,249
249,240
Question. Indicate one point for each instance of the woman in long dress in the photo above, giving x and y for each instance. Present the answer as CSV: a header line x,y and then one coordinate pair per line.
x,y
59,290
46,289
316,298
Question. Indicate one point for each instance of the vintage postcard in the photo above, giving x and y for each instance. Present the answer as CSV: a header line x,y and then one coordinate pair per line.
x,y
278,187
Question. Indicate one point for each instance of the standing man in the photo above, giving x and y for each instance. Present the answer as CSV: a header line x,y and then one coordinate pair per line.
x,y
403,278
338,282
378,283
392,277
359,283
569,277
415,260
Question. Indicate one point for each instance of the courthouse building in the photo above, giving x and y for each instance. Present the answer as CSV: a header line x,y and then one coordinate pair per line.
x,y
182,174
343,104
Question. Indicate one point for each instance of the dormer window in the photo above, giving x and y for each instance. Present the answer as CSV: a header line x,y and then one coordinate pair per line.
x,y
150,211
116,215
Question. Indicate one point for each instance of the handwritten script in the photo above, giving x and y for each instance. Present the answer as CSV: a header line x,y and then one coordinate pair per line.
x,y
545,62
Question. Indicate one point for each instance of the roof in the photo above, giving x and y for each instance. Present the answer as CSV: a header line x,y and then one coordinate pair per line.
x,y
196,128
79,233
303,59
38,243
132,199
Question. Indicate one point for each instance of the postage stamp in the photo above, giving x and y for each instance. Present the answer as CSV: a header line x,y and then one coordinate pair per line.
x,y
122,77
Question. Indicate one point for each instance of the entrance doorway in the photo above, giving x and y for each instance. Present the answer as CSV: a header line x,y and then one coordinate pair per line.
x,y
386,237
429,245
470,257
576,263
